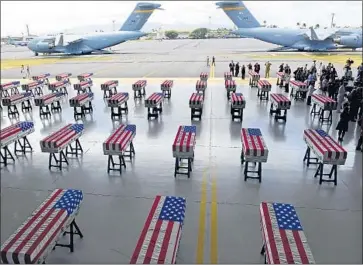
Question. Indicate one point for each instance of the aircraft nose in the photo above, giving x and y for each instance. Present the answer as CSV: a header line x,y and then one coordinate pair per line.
x,y
31,45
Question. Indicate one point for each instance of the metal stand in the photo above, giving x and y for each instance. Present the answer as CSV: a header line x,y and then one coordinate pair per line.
x,y
229,92
139,93
321,114
6,155
26,107
112,166
167,93
119,111
62,158
13,111
299,95
178,161
253,83
73,230
263,95
281,84
154,111
109,93
320,169
246,170
38,91
24,146
5,94
86,90
14,91
277,113
84,110
237,113
196,113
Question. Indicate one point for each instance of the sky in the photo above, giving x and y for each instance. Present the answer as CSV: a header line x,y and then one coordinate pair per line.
x,y
56,16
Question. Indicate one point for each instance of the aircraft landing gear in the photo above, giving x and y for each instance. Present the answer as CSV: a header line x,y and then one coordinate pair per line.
x,y
36,54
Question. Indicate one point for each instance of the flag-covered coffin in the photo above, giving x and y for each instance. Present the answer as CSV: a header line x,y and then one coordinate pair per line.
x,y
118,99
227,76
283,235
253,75
48,99
84,77
153,100
83,85
31,85
299,86
160,236
63,76
36,237
184,142
109,85
324,102
196,101
230,85
280,101
16,99
60,139
81,100
203,76
118,142
14,132
264,85
167,85
41,77
325,147
9,85
253,145
56,86
138,85
201,85
238,101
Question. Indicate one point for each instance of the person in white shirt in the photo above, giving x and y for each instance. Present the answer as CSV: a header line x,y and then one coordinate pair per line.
x,y
310,93
341,94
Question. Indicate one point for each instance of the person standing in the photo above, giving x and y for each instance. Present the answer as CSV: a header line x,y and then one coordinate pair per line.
x,y
267,69
287,82
360,140
355,98
281,68
341,94
343,124
208,61
213,61
243,72
28,71
22,71
257,68
311,91
231,67
237,70
249,67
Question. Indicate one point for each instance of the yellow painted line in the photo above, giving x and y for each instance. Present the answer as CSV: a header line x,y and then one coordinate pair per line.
x,y
214,224
233,8
202,220
144,11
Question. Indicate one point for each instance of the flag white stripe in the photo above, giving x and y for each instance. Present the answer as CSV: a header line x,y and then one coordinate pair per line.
x,y
276,234
145,244
174,241
293,247
267,239
159,243
308,252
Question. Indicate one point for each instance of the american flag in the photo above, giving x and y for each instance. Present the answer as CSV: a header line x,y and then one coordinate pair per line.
x,y
160,236
31,85
300,86
17,98
81,99
184,141
264,85
40,77
325,147
255,76
37,235
10,85
283,235
119,140
139,84
62,76
84,76
227,75
153,100
200,85
83,85
109,84
118,99
47,99
167,84
61,138
196,100
203,76
280,74
57,84
324,102
253,144
15,131
237,100
230,85
280,101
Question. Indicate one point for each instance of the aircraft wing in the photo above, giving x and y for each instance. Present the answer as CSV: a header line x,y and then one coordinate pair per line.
x,y
75,41
322,34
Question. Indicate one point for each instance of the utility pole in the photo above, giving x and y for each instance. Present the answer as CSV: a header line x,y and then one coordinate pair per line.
x,y
332,19
113,25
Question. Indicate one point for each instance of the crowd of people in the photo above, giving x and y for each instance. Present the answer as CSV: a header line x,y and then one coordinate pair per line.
x,y
347,91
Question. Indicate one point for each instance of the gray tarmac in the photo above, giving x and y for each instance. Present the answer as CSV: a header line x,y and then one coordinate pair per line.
x,y
115,206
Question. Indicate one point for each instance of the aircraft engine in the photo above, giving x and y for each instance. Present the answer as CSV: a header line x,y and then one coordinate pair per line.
x,y
353,41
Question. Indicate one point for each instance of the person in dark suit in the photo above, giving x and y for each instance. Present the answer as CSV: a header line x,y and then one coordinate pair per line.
x,y
231,67
243,72
343,123
236,70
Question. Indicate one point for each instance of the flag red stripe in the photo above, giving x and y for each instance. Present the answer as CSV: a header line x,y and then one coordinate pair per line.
x,y
41,210
66,139
164,246
144,230
260,144
286,246
176,138
182,142
176,246
300,247
275,254
312,139
188,141
323,142
152,243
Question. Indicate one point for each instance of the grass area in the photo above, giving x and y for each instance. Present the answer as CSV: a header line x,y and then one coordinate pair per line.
x,y
16,63
325,57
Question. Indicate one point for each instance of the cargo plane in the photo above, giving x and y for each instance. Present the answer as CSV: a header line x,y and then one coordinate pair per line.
x,y
298,39
86,44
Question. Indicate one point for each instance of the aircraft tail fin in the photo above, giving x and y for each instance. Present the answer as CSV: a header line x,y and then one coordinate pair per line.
x,y
139,16
239,14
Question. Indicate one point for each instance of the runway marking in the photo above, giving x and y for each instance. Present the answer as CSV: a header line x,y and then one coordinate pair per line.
x,y
212,71
214,223
202,219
